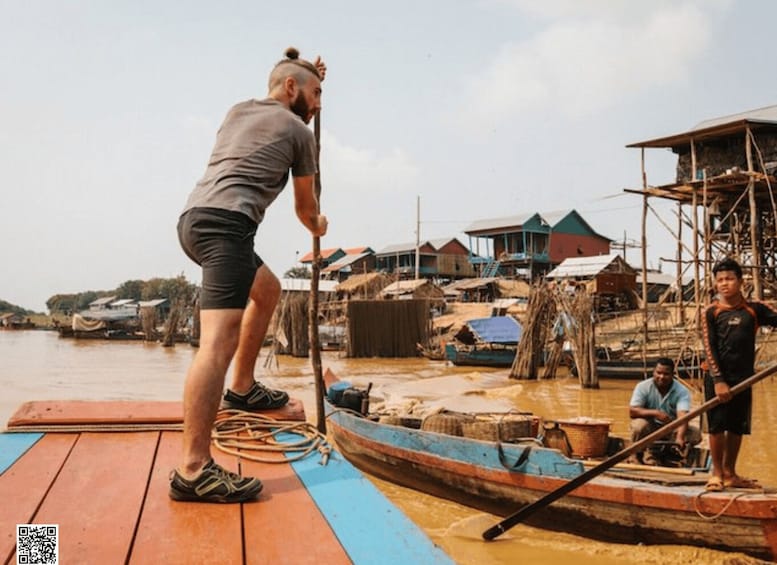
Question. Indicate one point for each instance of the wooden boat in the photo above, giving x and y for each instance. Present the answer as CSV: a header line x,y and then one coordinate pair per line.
x,y
485,342
628,504
487,355
99,472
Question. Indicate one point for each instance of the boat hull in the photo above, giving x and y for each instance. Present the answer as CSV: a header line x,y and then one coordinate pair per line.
x,y
486,356
608,508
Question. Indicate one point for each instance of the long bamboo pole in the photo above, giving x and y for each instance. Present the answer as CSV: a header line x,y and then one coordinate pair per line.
x,y
315,344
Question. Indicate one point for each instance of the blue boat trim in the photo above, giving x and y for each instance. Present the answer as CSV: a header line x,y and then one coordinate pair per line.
x,y
367,524
540,460
14,445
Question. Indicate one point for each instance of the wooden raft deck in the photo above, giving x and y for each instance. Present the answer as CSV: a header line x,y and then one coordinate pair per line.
x,y
107,491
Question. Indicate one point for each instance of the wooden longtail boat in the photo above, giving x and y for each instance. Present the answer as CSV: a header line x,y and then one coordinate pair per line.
x,y
625,504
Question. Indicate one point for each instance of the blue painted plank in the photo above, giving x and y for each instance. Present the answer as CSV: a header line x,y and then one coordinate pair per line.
x,y
370,528
12,446
540,460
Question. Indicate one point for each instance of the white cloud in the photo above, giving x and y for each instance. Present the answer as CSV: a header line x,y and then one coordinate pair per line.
x,y
577,66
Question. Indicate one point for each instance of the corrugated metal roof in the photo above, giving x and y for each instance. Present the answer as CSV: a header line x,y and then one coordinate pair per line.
x,y
583,266
555,216
496,223
344,262
404,287
151,303
715,127
308,257
101,301
303,285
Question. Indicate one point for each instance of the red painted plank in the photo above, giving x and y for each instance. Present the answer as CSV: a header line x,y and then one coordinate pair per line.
x,y
287,527
185,532
72,412
24,484
97,497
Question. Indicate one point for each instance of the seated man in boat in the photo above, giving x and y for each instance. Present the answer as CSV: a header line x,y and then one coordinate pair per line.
x,y
656,402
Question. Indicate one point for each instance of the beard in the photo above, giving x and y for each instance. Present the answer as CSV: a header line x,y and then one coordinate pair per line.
x,y
300,107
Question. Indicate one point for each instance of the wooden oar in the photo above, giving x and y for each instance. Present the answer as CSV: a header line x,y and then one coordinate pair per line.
x,y
530,509
315,344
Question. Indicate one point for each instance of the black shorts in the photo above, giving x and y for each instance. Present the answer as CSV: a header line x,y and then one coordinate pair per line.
x,y
222,243
733,416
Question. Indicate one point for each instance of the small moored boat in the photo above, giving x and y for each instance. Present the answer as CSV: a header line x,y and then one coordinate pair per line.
x,y
626,504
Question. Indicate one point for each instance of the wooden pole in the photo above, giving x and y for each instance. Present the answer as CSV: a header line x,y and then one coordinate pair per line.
x,y
644,264
680,289
754,243
315,344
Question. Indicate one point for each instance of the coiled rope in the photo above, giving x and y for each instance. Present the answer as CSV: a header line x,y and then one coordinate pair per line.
x,y
722,511
243,434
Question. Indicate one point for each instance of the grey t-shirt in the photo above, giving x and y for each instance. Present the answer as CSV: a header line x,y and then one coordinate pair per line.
x,y
256,146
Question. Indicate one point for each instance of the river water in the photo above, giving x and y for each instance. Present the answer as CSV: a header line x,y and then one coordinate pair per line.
x,y
38,365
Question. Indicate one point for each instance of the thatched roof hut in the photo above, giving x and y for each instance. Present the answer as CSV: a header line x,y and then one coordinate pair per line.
x,y
362,286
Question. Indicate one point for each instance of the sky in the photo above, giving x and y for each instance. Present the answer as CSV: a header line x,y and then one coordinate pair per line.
x,y
476,108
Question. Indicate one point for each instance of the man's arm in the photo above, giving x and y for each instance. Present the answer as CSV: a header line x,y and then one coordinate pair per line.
x,y
647,413
306,205
679,435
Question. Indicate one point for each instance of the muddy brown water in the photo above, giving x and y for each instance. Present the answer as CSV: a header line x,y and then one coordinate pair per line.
x,y
38,365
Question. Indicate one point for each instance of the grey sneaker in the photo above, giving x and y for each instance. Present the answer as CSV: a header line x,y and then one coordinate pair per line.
x,y
214,484
258,397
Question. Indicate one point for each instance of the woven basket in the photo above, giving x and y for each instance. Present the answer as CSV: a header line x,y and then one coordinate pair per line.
x,y
508,429
391,420
587,438
445,423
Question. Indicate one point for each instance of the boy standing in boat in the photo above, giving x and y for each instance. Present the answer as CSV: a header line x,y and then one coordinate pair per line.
x,y
730,326
658,401
257,145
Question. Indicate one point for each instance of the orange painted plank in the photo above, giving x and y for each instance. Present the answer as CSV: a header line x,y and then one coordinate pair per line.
x,y
24,484
287,526
72,412
97,497
185,532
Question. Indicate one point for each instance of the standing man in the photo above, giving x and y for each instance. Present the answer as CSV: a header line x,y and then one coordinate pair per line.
x,y
658,401
730,327
257,145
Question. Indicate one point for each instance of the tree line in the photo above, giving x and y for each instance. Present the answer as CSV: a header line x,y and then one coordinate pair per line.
x,y
175,290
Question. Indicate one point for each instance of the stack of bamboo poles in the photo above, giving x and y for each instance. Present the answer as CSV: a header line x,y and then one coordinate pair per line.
x,y
171,327
580,331
148,323
552,317
540,314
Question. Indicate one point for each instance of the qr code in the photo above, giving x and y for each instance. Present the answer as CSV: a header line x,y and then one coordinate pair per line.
x,y
37,544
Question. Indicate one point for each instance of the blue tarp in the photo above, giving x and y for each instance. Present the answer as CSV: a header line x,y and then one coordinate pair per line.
x,y
496,329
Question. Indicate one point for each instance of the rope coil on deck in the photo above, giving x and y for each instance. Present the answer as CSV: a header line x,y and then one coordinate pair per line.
x,y
238,433
722,511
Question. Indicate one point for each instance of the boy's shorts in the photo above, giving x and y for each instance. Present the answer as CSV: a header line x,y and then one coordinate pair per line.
x,y
222,243
732,416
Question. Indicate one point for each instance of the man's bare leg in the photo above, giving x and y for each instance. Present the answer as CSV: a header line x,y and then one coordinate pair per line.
x,y
732,444
205,383
264,296
717,453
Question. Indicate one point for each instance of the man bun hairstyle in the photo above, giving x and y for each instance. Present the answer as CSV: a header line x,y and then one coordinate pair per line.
x,y
292,66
